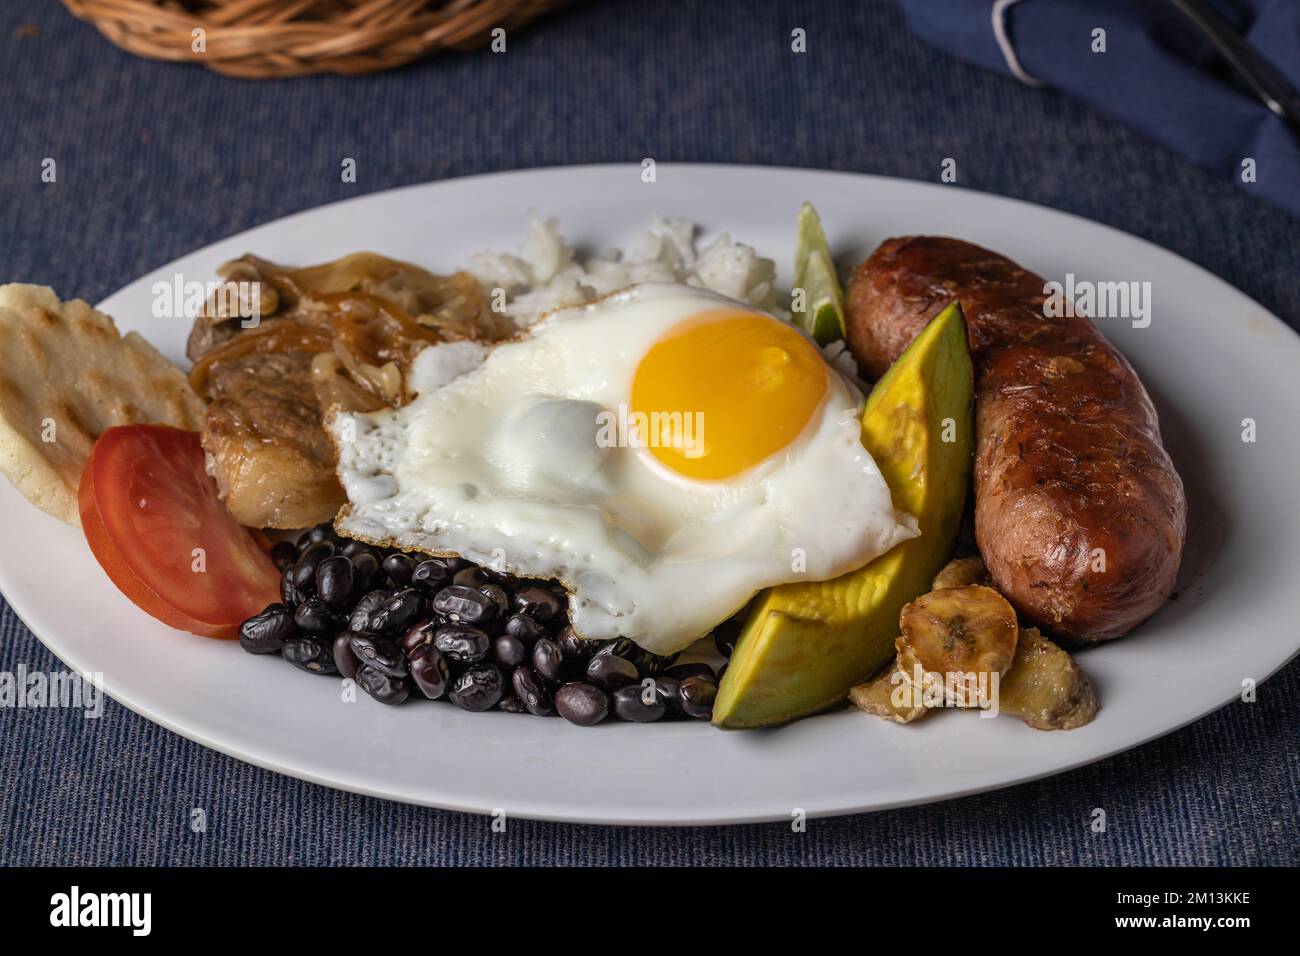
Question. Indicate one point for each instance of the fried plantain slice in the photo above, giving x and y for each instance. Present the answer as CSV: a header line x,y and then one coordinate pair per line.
x,y
1045,687
889,695
958,637
960,572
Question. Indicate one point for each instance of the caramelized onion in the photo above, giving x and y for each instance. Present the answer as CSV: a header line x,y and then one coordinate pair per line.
x,y
371,313
335,391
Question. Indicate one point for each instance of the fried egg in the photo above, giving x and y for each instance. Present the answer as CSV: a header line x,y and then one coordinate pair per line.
x,y
664,452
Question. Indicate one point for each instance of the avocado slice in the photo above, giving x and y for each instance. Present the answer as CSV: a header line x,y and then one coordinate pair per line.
x,y
804,645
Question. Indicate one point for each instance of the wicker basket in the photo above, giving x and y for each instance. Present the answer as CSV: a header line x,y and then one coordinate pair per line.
x,y
273,38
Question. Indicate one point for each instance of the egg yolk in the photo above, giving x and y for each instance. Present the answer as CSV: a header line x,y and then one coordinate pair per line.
x,y
724,391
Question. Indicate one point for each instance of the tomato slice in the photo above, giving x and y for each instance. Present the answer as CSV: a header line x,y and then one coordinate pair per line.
x,y
154,522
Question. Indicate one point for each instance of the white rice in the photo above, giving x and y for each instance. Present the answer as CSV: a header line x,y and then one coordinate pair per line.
x,y
548,274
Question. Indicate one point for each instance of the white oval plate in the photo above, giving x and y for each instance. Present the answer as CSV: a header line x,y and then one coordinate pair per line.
x,y
1211,358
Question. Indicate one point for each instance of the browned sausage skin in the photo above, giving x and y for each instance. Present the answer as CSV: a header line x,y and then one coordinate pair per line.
x,y
1079,513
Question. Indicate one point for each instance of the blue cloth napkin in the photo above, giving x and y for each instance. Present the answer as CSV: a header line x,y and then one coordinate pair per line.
x,y
1158,73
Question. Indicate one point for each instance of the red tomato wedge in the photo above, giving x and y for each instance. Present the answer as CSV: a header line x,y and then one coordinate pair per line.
x,y
155,524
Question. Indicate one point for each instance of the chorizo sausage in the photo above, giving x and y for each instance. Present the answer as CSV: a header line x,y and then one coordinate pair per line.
x,y
1079,513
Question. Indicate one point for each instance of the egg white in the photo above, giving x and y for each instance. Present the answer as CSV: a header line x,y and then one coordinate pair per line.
x,y
498,460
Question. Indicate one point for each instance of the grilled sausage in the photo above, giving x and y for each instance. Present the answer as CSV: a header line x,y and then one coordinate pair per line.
x,y
1079,513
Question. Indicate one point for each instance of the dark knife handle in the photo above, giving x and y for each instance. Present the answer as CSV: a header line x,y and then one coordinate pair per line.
x,y
1260,75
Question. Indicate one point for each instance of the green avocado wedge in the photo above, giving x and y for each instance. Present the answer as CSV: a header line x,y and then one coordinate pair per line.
x,y
804,645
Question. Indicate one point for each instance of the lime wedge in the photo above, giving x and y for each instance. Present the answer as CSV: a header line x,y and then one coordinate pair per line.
x,y
821,312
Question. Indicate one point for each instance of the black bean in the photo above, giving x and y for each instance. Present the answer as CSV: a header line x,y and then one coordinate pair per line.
x,y
334,578
470,577
479,688
547,660
647,664
523,627
668,690
610,672
430,671
512,705
429,575
344,660
503,578
417,635
498,596
725,636
266,633
576,650
620,647
399,568
380,653
539,602
696,696
453,563
398,612
465,604
509,651
322,532
284,554
359,619
722,671
290,596
365,572
384,688
581,704
697,669
462,643
630,703
652,665
532,692
310,654
316,617
351,548
304,569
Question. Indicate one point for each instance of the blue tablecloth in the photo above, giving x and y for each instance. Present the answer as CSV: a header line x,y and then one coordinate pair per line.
x,y
155,160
